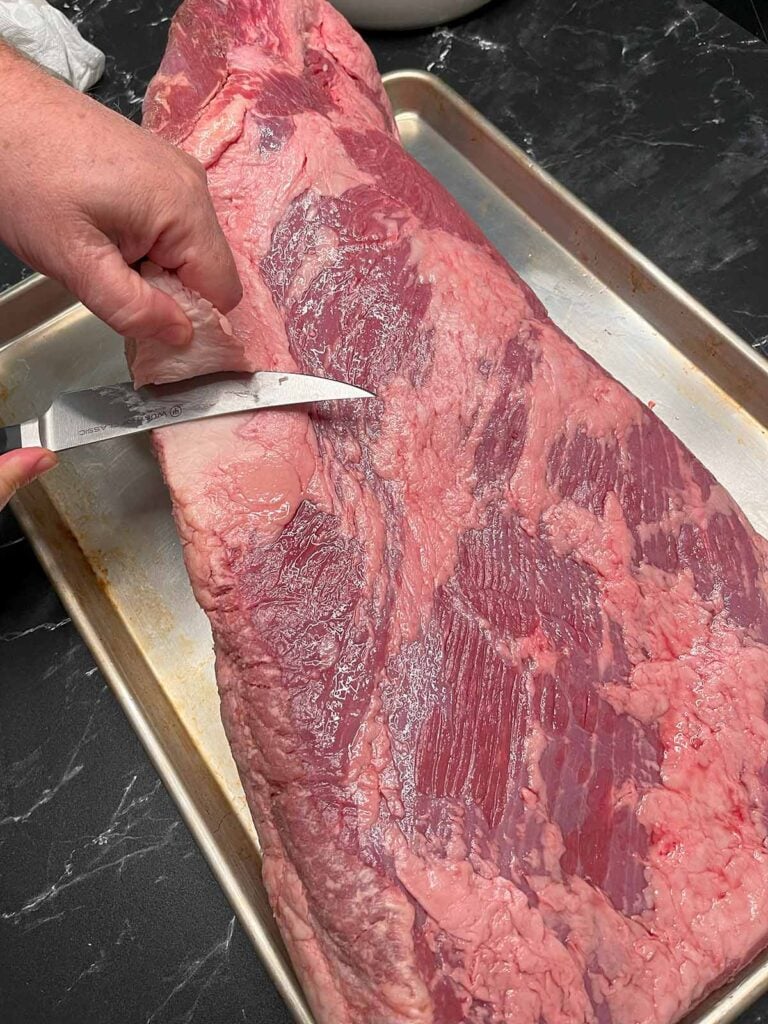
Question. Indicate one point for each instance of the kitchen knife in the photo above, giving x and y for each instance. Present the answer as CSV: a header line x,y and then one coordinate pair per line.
x,y
82,417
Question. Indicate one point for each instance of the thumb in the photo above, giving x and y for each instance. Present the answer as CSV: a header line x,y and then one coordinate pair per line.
x,y
121,298
21,467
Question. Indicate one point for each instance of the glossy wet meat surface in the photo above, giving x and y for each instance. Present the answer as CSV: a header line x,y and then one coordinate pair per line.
x,y
491,650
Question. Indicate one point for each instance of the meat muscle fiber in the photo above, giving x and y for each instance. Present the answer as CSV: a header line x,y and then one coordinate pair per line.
x,y
491,649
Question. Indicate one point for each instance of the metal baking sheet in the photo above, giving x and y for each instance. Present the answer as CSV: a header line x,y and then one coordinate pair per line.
x,y
101,522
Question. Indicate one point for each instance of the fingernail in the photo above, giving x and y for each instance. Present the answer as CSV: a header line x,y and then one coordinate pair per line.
x,y
175,334
44,463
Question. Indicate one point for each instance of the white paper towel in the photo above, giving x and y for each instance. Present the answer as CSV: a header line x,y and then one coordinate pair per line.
x,y
42,33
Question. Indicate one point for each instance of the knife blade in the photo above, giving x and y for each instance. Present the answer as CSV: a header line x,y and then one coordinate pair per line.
x,y
97,414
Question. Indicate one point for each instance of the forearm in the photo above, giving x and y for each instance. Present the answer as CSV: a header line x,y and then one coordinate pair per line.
x,y
85,194
31,95
36,117
14,65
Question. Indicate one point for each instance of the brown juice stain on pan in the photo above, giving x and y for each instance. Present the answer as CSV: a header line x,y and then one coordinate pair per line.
x,y
638,282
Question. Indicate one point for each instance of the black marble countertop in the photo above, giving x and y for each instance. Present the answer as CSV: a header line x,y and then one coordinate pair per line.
x,y
655,113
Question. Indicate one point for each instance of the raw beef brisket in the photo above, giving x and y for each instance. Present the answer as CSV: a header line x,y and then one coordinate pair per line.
x,y
492,649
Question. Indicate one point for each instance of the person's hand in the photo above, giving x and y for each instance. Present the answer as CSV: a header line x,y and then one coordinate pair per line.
x,y
84,194
22,467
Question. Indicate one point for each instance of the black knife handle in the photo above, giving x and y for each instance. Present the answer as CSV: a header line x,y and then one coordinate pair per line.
x,y
10,438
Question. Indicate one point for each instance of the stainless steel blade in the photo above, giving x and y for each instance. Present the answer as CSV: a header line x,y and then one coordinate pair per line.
x,y
82,417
